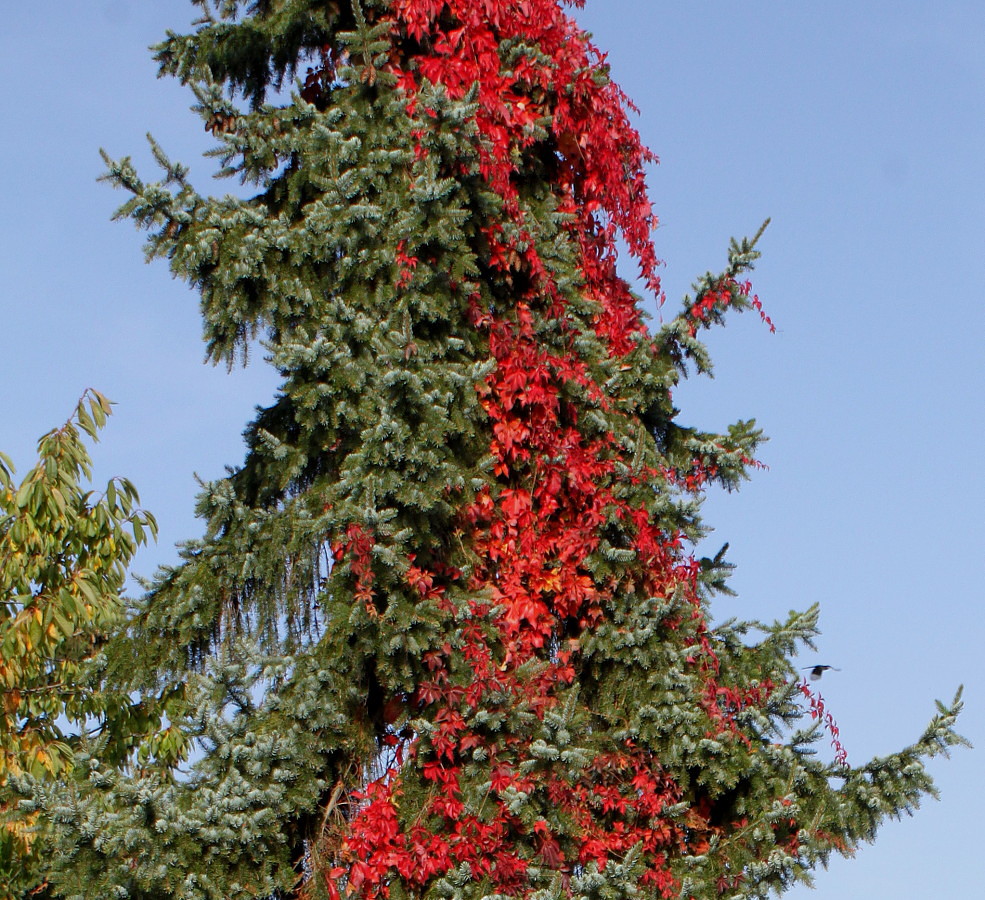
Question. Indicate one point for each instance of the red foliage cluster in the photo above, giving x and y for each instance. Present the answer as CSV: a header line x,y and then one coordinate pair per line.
x,y
717,299
537,528
357,548
555,95
818,711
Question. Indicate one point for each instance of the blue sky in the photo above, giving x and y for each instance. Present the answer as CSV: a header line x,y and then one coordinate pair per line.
x,y
859,128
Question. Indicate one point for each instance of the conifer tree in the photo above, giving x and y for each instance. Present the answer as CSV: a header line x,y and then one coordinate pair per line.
x,y
446,633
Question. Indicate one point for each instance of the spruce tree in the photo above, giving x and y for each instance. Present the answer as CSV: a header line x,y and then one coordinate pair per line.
x,y
446,633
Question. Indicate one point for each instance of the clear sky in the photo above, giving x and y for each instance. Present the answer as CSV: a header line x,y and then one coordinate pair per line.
x,y
858,127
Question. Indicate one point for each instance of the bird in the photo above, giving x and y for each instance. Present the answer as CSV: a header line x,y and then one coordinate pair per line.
x,y
818,671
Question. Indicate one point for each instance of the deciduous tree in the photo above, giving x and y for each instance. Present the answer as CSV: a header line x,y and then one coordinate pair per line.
x,y
64,553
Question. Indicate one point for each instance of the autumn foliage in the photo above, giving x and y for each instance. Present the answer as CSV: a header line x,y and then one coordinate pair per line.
x,y
557,489
447,633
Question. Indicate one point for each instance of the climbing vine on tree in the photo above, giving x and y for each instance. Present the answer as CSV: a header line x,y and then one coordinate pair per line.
x,y
447,633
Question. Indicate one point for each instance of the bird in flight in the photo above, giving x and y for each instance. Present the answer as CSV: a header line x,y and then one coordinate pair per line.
x,y
818,671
